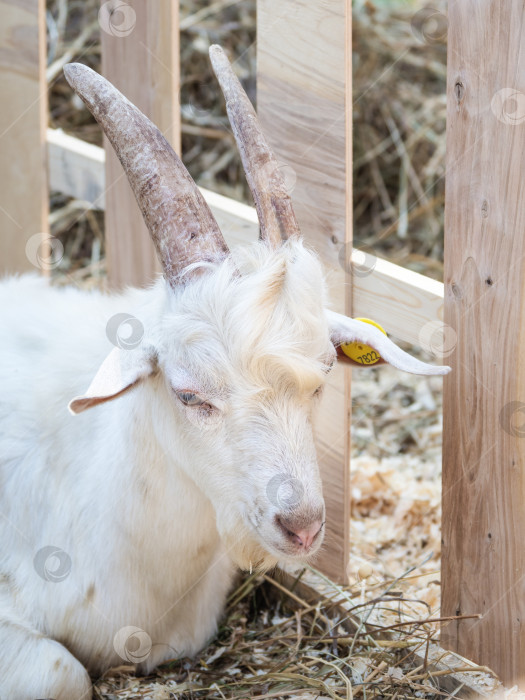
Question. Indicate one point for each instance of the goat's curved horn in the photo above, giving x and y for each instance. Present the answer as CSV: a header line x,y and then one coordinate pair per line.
x,y
180,222
272,201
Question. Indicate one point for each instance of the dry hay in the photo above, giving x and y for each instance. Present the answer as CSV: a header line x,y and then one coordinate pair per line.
x,y
399,115
368,641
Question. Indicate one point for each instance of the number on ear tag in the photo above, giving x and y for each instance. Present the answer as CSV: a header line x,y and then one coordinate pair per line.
x,y
361,353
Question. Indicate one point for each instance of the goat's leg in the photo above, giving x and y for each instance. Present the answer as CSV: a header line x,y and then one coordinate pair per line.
x,y
34,666
198,610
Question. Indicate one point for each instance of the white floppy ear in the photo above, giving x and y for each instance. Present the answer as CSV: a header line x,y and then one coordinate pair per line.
x,y
348,330
120,371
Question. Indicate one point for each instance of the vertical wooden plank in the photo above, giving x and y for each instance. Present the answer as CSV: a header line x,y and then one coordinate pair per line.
x,y
23,121
483,439
140,56
304,103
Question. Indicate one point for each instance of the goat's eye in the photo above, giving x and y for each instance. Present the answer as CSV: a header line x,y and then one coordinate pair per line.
x,y
189,399
318,390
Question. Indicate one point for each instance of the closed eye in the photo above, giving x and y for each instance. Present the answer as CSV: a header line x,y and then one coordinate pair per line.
x,y
190,399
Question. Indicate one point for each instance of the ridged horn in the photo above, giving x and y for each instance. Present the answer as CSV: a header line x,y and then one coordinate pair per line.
x,y
180,222
272,201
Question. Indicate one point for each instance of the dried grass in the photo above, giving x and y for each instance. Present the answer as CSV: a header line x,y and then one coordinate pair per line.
x,y
369,641
399,134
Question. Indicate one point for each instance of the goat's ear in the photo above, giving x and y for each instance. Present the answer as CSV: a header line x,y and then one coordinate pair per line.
x,y
120,371
349,330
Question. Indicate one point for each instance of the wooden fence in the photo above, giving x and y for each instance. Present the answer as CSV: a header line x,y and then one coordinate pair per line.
x,y
305,104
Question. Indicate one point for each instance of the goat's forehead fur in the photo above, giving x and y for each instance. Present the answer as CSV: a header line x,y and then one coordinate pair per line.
x,y
259,317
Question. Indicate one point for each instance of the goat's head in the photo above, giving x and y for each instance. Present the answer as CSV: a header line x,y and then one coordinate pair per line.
x,y
245,342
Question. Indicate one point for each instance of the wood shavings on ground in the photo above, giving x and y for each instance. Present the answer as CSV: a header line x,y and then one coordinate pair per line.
x,y
396,479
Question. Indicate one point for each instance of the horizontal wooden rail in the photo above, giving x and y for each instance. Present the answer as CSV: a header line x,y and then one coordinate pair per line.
x,y
404,302
76,168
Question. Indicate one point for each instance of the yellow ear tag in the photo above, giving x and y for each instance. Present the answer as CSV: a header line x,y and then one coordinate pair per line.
x,y
361,353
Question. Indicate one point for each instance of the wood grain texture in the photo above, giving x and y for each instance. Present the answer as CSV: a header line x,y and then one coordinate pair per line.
x,y
303,90
140,56
483,568
23,118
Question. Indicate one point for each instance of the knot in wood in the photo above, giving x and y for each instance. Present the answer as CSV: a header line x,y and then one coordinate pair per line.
x,y
459,90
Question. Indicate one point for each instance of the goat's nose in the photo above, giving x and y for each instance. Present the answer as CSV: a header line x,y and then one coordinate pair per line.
x,y
298,533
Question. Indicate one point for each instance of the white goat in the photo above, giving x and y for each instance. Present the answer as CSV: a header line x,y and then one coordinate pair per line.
x,y
121,528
